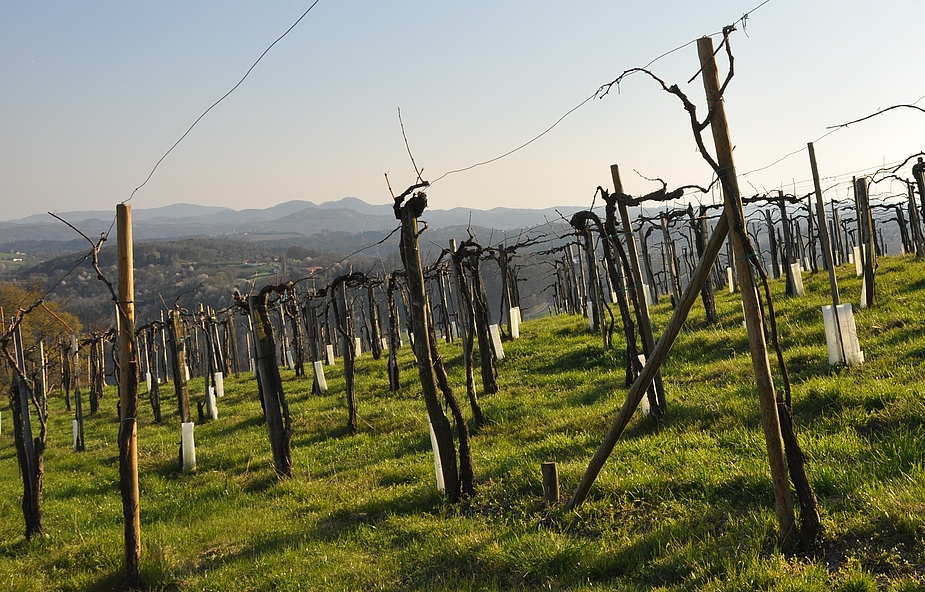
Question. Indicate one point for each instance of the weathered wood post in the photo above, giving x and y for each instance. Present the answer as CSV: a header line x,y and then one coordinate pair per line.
x,y
826,247
866,239
550,482
753,316
641,303
279,429
128,397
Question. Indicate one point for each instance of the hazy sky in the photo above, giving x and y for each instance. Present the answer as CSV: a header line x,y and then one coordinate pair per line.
x,y
93,93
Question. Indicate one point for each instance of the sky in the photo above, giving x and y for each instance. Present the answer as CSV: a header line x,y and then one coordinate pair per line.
x,y
94,93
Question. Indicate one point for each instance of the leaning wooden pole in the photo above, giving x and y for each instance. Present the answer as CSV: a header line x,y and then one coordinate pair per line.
x,y
653,363
754,320
128,397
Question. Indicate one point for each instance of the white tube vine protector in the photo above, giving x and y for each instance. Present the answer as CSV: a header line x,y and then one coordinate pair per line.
x,y
849,335
496,341
797,274
438,466
188,445
515,323
219,378
329,354
74,431
319,376
211,408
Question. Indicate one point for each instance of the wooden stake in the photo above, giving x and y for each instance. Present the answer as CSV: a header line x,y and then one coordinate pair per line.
x,y
753,317
279,425
128,397
653,363
645,323
550,482
826,248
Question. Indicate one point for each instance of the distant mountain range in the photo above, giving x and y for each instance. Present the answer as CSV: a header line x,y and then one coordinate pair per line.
x,y
298,217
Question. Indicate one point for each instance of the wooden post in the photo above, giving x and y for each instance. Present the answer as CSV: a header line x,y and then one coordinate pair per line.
x,y
128,397
826,247
866,239
823,227
753,317
279,428
550,482
653,362
645,322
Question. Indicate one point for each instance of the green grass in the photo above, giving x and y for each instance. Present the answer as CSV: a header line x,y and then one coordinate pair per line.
x,y
686,505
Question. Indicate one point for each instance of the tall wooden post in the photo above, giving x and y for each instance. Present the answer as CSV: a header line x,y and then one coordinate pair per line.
x,y
642,312
128,397
753,317
279,427
823,227
866,239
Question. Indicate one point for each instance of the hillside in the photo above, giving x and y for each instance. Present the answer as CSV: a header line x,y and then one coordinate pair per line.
x,y
686,505
206,270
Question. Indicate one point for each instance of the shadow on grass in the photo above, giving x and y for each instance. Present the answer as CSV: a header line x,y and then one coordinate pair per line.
x,y
346,521
586,358
885,547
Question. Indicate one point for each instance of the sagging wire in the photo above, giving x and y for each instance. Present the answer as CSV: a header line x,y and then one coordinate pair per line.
x,y
213,105
602,91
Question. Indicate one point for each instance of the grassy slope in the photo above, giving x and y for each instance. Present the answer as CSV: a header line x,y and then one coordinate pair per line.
x,y
686,506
